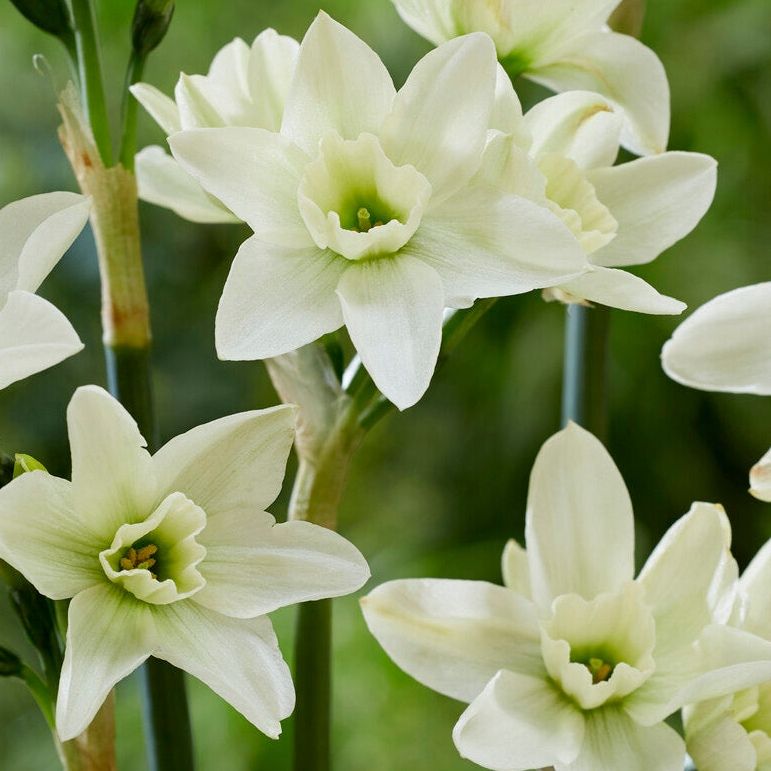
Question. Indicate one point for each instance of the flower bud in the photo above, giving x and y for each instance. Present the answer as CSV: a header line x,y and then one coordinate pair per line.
x,y
151,21
10,663
52,16
25,463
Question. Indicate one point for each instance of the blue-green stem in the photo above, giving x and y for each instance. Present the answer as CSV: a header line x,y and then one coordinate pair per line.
x,y
316,496
585,375
90,70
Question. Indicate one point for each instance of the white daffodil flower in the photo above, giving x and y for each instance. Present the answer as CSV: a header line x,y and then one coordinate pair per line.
x,y
564,45
34,234
172,556
733,733
367,209
725,346
575,663
245,86
622,215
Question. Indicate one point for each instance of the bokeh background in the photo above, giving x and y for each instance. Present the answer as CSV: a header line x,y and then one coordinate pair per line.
x,y
435,491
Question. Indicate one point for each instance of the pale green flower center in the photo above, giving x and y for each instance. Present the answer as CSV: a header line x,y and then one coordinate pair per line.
x,y
599,651
157,559
355,201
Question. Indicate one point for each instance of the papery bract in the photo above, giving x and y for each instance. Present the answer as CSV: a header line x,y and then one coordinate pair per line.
x,y
564,45
34,234
245,86
368,211
171,555
575,663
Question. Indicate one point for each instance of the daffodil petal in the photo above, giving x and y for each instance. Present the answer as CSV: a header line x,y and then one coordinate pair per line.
x,y
723,346
657,201
112,477
723,744
507,114
515,568
753,586
254,566
109,634
393,310
231,465
163,182
624,71
433,19
277,299
453,636
36,232
441,115
486,244
680,576
255,173
43,537
760,478
340,85
580,125
34,335
614,741
162,109
238,659
518,723
578,505
619,289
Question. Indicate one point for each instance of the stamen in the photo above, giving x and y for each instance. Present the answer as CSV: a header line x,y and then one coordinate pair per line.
x,y
601,670
365,220
139,559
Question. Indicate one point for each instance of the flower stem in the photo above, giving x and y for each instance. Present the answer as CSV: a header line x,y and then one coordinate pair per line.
x,y
585,375
128,145
127,344
90,69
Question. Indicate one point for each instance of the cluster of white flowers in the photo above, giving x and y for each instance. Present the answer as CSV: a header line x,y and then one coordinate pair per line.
x,y
378,210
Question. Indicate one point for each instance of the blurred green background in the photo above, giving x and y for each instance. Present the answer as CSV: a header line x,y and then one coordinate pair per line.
x,y
435,491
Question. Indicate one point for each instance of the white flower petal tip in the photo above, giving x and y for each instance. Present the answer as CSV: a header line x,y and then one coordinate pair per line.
x,y
36,232
575,492
723,345
760,478
34,335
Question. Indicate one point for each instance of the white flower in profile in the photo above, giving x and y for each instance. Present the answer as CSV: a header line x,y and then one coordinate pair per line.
x,y
733,733
368,209
564,45
34,234
623,215
575,664
726,346
245,86
171,555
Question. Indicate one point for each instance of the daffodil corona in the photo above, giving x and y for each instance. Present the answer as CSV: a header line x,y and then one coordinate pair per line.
x,y
575,664
171,555
34,234
368,209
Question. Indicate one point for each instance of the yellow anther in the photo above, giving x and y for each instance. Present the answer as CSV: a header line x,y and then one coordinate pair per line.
x,y
365,220
146,552
139,559
601,670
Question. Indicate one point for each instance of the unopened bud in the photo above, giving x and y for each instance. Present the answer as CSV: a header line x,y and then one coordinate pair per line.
x,y
52,16
151,22
25,463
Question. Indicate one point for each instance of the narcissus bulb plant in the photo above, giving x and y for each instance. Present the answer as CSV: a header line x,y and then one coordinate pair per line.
x,y
733,732
725,346
171,555
575,664
368,209
34,234
245,86
564,45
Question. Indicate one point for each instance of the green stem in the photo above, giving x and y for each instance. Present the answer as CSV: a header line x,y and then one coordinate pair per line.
x,y
128,145
40,694
585,376
90,68
166,716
